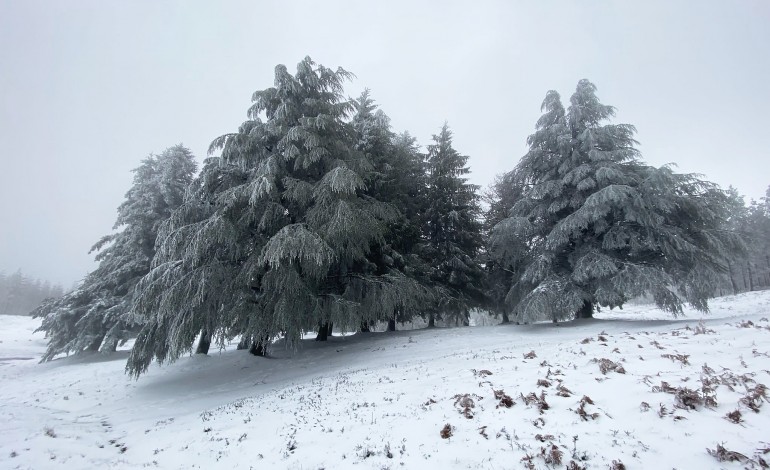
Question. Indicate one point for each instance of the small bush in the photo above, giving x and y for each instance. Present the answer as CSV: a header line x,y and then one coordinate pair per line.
x,y
446,431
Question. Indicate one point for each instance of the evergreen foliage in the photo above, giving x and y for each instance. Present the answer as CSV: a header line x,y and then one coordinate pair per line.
x,y
452,229
97,313
283,233
601,227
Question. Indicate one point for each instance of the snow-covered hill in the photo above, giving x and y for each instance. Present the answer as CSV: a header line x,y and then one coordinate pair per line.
x,y
634,386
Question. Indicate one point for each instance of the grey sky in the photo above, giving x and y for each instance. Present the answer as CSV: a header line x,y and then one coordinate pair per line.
x,y
89,88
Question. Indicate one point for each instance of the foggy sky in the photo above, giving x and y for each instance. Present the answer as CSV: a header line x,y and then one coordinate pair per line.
x,y
89,88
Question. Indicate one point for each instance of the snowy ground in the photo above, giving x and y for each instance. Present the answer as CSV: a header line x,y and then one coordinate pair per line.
x,y
382,400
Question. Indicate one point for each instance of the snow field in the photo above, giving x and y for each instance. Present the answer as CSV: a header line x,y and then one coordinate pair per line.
x,y
382,400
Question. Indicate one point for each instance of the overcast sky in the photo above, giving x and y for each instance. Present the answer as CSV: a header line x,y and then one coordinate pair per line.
x,y
89,88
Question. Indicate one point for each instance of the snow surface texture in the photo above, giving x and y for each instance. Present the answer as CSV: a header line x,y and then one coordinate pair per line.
x,y
636,387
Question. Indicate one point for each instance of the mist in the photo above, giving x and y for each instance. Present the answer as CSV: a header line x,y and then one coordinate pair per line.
x,y
91,88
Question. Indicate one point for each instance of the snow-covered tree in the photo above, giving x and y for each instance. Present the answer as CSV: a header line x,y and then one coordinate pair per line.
x,y
452,230
96,315
398,178
283,235
601,227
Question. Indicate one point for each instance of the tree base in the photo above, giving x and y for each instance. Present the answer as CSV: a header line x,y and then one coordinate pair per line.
x,y
204,344
323,332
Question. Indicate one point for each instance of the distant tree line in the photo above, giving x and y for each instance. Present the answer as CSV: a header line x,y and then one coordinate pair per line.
x,y
315,215
20,294
751,270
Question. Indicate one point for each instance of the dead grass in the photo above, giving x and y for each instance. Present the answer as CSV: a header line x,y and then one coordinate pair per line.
x,y
465,404
572,465
530,355
734,417
700,329
686,398
505,400
551,455
538,401
755,397
683,358
606,365
563,391
581,411
724,455
481,373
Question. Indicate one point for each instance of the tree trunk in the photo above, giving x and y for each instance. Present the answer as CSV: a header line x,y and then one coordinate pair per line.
x,y
329,329
767,261
244,343
323,332
259,348
732,279
751,280
94,345
745,284
365,327
109,346
505,318
466,320
431,321
586,311
391,325
204,343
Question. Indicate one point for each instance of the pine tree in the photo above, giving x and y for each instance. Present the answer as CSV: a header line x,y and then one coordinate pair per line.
x,y
96,315
452,230
601,227
284,235
398,179
501,260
